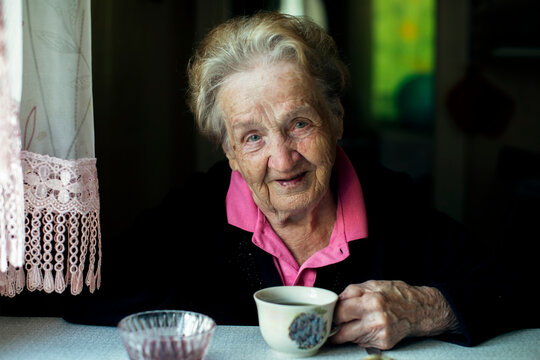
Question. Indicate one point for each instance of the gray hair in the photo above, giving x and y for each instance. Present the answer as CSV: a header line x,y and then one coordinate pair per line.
x,y
239,43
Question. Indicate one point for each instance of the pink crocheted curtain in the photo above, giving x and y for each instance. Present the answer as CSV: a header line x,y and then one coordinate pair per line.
x,y
49,204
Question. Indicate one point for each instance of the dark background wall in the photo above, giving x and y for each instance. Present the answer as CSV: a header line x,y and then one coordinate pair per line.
x,y
145,137
146,141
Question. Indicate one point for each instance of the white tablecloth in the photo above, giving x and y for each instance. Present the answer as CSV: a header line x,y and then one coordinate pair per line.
x,y
52,338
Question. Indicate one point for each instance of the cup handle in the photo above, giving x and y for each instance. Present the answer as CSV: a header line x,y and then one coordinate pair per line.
x,y
334,330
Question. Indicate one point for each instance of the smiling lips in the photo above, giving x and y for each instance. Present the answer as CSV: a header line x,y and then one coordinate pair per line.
x,y
293,180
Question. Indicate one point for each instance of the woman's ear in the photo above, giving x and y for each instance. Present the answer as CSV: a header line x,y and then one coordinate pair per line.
x,y
339,113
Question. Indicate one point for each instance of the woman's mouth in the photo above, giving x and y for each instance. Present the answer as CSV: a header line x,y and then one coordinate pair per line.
x,y
292,180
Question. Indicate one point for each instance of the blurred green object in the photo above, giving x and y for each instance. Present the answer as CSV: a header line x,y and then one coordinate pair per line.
x,y
415,101
403,46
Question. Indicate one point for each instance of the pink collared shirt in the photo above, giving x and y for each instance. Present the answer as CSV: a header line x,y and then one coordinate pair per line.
x,y
351,224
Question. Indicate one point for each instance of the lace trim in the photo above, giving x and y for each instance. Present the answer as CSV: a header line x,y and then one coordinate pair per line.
x,y
62,227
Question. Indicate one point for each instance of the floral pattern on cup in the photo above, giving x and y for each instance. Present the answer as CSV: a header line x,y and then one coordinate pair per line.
x,y
308,329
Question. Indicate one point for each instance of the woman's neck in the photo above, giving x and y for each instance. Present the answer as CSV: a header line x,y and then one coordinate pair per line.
x,y
305,234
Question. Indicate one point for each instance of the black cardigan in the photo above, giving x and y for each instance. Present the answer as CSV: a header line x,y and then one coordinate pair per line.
x,y
191,258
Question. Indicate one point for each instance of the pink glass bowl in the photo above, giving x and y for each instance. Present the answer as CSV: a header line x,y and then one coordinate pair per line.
x,y
166,335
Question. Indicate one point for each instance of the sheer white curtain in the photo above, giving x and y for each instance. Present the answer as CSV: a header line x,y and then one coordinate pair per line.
x,y
62,246
11,182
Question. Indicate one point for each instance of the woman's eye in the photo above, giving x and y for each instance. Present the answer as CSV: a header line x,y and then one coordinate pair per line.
x,y
253,138
300,124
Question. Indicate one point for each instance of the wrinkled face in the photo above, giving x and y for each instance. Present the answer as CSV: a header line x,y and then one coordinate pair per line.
x,y
281,140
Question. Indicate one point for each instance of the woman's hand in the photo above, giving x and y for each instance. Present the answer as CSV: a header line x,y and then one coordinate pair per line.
x,y
381,313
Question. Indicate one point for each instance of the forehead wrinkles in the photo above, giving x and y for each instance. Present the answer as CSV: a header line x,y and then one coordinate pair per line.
x,y
265,101
265,92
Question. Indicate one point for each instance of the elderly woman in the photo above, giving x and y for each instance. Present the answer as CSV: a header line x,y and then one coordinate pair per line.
x,y
290,207
267,88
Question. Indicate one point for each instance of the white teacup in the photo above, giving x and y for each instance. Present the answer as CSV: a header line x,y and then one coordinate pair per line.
x,y
295,320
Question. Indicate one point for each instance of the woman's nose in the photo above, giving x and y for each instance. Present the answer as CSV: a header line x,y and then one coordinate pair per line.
x,y
283,155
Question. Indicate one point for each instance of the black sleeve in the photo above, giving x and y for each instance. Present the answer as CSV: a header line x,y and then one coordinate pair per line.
x,y
423,246
147,264
487,298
